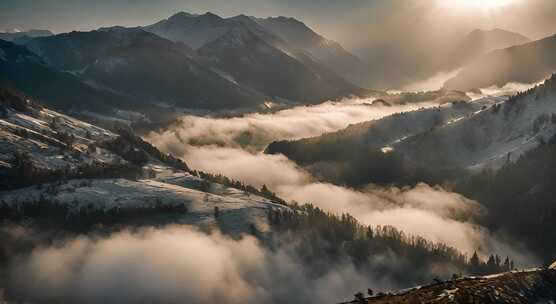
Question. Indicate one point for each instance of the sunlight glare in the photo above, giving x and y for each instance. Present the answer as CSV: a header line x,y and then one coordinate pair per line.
x,y
475,4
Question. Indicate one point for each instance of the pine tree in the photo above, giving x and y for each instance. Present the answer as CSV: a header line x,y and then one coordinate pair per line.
x,y
475,263
507,266
491,264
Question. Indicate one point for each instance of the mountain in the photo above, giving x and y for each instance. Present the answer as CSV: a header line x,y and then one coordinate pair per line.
x,y
491,133
520,197
19,36
527,286
192,29
416,59
329,52
370,156
25,71
481,42
63,177
144,67
527,63
491,137
255,57
498,151
253,62
65,173
488,134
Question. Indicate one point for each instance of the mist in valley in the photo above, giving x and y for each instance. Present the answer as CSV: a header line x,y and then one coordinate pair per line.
x,y
276,151
234,147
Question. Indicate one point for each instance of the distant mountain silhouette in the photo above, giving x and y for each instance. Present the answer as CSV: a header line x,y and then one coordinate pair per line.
x,y
526,63
480,42
300,36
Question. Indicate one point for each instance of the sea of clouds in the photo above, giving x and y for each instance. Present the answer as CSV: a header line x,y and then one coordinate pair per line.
x,y
233,147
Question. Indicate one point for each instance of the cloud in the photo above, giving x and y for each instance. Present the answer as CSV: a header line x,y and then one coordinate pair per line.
x,y
433,83
222,146
507,89
255,131
175,264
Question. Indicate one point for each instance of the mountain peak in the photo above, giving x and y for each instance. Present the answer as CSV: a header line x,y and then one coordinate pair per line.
x,y
284,19
242,17
211,15
182,14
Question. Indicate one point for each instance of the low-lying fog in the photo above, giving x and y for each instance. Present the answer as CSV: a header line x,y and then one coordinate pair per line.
x,y
182,264
233,147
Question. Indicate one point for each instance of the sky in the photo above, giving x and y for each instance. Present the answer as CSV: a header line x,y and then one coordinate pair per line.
x,y
335,19
400,40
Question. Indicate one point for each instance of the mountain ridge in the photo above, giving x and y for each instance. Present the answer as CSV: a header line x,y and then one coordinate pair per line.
x,y
525,63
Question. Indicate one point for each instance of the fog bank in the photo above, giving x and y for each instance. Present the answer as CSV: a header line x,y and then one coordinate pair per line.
x,y
233,146
177,264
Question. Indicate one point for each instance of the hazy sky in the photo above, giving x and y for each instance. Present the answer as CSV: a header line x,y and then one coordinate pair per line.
x,y
402,41
340,20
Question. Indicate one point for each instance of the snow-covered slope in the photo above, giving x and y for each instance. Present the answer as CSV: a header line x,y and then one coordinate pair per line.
x,y
42,137
378,134
238,211
485,133
491,137
50,160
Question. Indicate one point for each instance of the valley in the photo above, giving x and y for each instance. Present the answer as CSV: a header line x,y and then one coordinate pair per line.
x,y
211,152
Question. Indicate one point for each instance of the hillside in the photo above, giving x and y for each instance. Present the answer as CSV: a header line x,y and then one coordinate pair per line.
x,y
520,195
527,63
489,138
371,144
528,286
492,132
80,174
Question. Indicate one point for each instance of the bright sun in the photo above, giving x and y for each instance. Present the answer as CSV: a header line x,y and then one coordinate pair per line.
x,y
476,4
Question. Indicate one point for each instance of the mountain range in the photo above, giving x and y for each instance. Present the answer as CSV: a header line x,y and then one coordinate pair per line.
x,y
198,62
206,62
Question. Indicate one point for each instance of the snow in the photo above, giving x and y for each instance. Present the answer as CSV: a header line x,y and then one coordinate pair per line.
x,y
35,133
489,137
553,266
237,210
389,132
